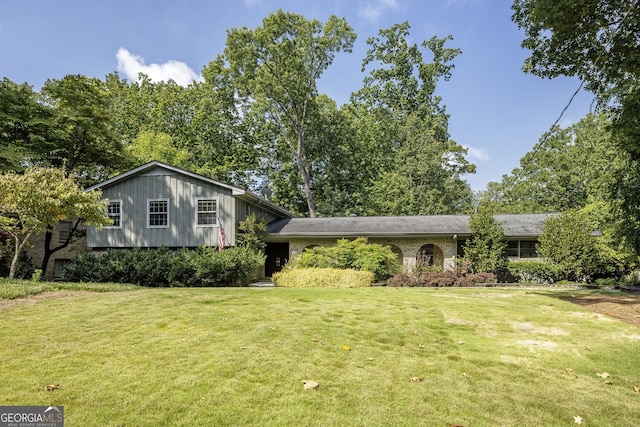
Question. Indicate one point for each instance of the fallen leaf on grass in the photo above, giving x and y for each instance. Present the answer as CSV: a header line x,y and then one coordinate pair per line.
x,y
636,389
440,341
417,379
52,387
587,348
460,342
604,375
346,348
577,419
310,385
568,370
607,382
421,345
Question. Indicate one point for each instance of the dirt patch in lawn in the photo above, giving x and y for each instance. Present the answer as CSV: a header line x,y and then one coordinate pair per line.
x,y
30,299
625,307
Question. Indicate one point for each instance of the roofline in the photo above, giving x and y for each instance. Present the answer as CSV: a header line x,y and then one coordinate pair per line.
x,y
236,191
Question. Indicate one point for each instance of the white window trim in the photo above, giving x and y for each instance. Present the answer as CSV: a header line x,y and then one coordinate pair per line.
x,y
149,201
217,207
120,202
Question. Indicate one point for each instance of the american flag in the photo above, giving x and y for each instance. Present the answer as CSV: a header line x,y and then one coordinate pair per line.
x,y
221,237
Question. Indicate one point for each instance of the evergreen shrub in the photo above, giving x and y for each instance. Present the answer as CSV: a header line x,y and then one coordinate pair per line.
x,y
165,268
355,254
539,272
322,278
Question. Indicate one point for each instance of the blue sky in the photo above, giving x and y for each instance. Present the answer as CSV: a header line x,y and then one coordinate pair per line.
x,y
496,110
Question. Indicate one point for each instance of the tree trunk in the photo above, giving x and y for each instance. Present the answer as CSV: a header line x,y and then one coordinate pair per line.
x,y
16,255
303,167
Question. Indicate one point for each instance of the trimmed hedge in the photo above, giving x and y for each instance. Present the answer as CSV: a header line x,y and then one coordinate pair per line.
x,y
322,278
539,272
201,267
440,279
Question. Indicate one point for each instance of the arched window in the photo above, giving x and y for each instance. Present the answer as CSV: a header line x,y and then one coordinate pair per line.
x,y
429,255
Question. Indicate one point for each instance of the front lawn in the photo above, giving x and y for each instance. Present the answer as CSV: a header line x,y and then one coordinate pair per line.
x,y
382,356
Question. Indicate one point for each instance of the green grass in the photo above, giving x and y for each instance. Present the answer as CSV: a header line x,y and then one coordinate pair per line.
x,y
382,356
11,289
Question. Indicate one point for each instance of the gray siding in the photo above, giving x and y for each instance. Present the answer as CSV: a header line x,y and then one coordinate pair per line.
x,y
245,209
181,192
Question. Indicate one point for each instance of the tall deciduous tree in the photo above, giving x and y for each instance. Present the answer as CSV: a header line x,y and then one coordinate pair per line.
x,y
24,125
420,167
276,67
38,199
83,142
596,41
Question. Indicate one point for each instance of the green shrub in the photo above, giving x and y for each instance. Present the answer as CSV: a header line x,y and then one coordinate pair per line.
x,y
533,272
322,278
355,254
163,268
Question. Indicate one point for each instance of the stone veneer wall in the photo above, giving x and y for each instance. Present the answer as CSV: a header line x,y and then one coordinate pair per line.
x,y
36,250
408,246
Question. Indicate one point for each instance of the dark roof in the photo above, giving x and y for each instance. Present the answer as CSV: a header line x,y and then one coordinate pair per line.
x,y
236,191
518,225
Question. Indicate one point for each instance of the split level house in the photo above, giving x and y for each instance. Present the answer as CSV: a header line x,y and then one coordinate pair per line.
x,y
158,205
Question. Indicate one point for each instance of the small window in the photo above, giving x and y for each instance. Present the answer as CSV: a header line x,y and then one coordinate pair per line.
x,y
64,231
114,212
58,268
528,249
513,249
206,212
158,211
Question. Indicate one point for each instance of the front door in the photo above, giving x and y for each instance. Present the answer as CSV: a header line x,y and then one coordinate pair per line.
x,y
277,257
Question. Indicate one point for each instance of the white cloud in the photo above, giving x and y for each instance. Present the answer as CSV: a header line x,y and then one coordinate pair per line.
x,y
477,154
131,65
251,3
372,12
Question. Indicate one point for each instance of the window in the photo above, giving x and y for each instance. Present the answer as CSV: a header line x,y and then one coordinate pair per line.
x,y
58,268
158,211
521,249
64,231
528,249
513,248
114,212
206,212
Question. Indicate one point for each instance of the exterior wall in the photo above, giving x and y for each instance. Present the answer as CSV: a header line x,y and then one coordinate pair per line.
x,y
36,251
408,246
245,209
181,192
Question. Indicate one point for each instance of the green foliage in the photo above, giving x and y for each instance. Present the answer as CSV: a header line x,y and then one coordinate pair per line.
x,y
164,268
355,254
322,278
415,167
252,233
484,250
276,67
38,199
567,242
532,272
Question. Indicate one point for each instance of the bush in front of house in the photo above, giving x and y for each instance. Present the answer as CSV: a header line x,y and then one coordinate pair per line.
x,y
539,272
441,279
322,278
165,268
355,254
